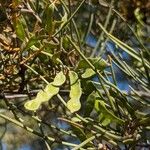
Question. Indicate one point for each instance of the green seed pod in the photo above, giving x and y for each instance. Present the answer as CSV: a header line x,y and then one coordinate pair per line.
x,y
75,92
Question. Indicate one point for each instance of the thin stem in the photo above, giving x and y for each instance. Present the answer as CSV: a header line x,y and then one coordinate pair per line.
x,y
107,39
69,19
84,143
33,131
45,141
105,26
124,46
37,73
103,131
91,18
74,24
105,4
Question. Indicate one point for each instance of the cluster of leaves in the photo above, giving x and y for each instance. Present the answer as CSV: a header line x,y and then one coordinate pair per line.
x,y
44,42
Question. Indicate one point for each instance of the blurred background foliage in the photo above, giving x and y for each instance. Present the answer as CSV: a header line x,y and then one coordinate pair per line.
x,y
105,44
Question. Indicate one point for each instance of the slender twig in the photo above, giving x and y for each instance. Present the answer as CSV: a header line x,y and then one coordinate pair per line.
x,y
73,23
69,19
30,10
103,46
100,39
42,132
84,143
34,132
128,25
124,46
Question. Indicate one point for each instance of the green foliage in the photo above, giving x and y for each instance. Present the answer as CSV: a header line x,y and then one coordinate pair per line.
x,y
48,18
106,115
50,90
75,92
33,105
46,56
59,79
32,41
90,103
19,28
98,63
88,73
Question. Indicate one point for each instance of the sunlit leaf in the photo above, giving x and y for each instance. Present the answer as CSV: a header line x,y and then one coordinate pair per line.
x,y
59,79
73,105
42,96
75,92
32,105
88,73
51,90
73,77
